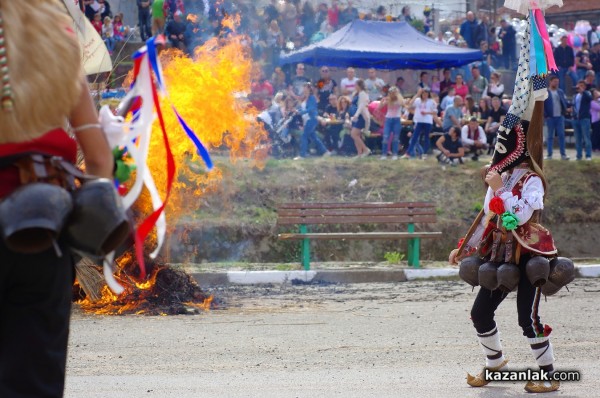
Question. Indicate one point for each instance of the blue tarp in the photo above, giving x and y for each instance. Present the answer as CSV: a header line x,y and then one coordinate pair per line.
x,y
382,45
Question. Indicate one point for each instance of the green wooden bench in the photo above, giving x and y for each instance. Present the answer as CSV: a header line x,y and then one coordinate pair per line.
x,y
308,214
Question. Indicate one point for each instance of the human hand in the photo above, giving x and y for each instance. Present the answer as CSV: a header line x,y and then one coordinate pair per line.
x,y
446,152
452,257
494,180
354,118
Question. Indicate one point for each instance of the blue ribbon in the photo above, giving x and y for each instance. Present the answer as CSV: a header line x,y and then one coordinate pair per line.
x,y
201,149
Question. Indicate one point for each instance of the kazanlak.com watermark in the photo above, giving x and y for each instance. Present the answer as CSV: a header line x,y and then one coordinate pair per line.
x,y
532,375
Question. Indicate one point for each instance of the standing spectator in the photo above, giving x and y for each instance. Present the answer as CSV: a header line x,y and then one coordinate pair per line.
x,y
392,124
327,87
485,66
453,114
374,85
494,120
261,92
104,9
271,12
555,108
307,19
494,47
158,17
170,7
424,80
448,99
348,83
595,109
565,61
380,14
279,80
461,89
405,16
310,112
482,33
451,147
582,62
473,138
175,32
274,42
582,121
360,118
468,30
333,15
288,19
144,19
590,80
298,82
508,36
595,60
435,85
349,14
495,88
400,85
425,109
479,84
321,15
445,83
90,8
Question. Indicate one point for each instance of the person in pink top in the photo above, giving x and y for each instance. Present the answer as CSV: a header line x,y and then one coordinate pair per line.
x,y
595,111
393,125
460,87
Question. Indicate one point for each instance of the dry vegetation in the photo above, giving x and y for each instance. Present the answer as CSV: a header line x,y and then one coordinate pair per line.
x,y
238,222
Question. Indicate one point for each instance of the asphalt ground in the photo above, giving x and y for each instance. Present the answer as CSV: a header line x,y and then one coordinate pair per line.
x,y
411,339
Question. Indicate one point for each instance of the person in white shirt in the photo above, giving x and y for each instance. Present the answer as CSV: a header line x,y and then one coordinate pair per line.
x,y
360,118
425,111
348,84
473,138
374,86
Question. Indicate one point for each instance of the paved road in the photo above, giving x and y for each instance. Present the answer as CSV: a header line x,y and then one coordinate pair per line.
x,y
362,340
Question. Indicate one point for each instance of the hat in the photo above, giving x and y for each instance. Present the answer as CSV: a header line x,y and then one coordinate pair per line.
x,y
473,119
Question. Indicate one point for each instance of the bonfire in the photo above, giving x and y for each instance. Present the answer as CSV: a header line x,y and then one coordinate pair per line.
x,y
205,90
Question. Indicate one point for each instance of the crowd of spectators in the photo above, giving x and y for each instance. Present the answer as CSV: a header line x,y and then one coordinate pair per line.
x,y
451,109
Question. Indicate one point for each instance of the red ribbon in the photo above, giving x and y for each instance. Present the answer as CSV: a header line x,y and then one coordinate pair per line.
x,y
148,224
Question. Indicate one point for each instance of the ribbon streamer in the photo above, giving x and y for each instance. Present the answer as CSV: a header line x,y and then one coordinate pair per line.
x,y
543,29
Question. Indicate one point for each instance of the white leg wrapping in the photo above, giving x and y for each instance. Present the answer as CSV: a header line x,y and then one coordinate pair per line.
x,y
542,350
492,348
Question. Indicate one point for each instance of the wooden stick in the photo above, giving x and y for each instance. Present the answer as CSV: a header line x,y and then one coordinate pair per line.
x,y
470,233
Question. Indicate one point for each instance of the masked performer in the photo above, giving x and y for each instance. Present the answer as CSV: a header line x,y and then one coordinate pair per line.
x,y
43,91
508,248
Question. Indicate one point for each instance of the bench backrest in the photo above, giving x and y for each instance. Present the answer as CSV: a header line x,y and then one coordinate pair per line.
x,y
356,213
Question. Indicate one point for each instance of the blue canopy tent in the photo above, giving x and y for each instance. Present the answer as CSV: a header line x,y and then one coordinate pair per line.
x,y
381,45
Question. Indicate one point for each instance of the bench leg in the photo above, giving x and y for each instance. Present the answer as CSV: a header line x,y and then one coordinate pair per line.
x,y
414,246
305,245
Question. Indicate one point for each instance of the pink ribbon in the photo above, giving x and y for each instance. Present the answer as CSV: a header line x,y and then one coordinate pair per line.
x,y
541,25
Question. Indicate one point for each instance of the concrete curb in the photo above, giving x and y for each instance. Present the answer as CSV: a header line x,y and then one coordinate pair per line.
x,y
207,279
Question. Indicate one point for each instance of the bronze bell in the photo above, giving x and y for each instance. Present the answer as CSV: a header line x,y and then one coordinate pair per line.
x,y
549,288
469,269
508,277
538,269
562,271
488,275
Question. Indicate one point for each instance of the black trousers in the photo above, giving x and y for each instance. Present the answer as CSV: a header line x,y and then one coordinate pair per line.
x,y
35,308
528,300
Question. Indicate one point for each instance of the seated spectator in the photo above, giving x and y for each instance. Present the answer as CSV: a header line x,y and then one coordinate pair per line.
x,y
108,34
483,109
424,81
446,83
97,23
450,147
473,138
334,119
495,88
326,86
435,85
400,84
279,80
469,109
121,31
453,115
175,31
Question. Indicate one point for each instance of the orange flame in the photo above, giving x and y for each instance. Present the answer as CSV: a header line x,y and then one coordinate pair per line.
x,y
206,90
193,18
